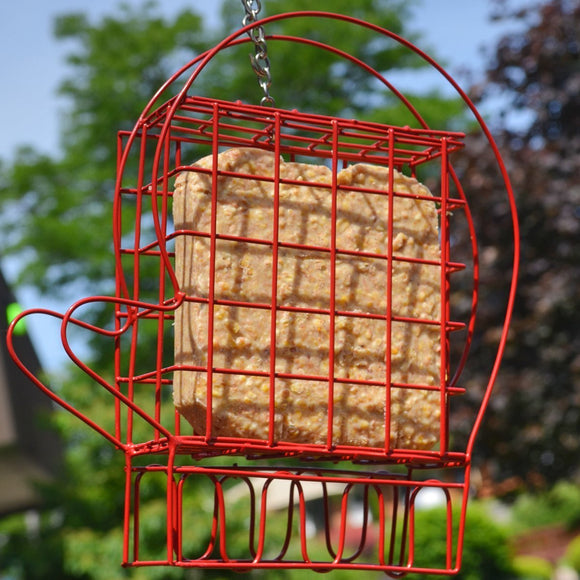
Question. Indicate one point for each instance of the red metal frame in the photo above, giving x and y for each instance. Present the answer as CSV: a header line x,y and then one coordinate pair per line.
x,y
161,145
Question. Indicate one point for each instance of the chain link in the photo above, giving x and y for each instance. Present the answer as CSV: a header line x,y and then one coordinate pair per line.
x,y
259,60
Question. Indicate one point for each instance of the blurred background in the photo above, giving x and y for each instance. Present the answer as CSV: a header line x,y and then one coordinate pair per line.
x,y
76,72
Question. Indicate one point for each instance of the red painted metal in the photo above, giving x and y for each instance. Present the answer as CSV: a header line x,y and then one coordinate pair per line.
x,y
368,497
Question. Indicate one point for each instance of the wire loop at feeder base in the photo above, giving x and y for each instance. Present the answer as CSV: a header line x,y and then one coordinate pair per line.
x,y
315,518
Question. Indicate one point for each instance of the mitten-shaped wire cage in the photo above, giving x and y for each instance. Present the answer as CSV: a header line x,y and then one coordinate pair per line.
x,y
244,253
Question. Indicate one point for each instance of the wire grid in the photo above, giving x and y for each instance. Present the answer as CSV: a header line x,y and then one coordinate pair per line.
x,y
204,127
316,518
382,504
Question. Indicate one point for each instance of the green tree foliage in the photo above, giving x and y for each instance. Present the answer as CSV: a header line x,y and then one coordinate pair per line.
x,y
572,556
533,568
560,505
531,431
62,202
486,553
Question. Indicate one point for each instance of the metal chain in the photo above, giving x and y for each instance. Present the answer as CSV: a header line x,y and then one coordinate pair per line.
x,y
260,61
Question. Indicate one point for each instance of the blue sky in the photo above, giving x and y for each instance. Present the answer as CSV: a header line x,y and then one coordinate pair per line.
x,y
32,65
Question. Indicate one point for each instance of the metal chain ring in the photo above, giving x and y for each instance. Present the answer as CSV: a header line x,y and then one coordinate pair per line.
x,y
259,60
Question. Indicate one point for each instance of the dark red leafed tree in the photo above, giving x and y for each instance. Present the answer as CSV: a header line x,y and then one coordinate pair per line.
x,y
532,432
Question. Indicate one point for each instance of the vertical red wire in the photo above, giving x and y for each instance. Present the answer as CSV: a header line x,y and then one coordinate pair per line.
x,y
127,508
332,288
262,521
389,295
216,515
302,519
212,260
381,512
117,226
131,310
176,415
342,527
171,500
274,287
449,529
222,530
163,268
444,304
407,533
463,517
136,516
178,524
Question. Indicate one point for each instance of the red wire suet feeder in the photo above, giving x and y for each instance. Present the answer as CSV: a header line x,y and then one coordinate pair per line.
x,y
379,486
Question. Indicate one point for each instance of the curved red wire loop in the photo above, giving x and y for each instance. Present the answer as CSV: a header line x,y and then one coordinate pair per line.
x,y
135,309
